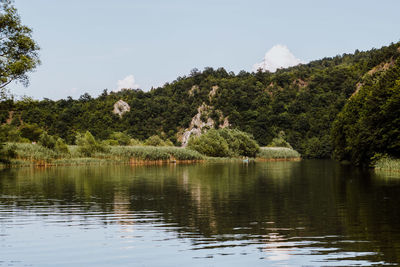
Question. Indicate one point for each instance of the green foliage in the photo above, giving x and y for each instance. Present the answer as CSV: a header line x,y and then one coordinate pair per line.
x,y
387,163
110,142
224,143
370,121
47,141
155,140
18,50
32,152
31,132
303,101
154,153
9,133
239,143
277,153
135,142
87,144
61,146
16,121
122,139
210,144
72,155
280,141
318,147
6,153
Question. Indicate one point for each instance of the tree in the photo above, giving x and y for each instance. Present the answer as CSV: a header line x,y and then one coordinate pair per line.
x,y
87,144
18,51
224,143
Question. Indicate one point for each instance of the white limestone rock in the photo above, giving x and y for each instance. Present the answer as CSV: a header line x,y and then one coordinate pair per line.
x,y
121,107
201,123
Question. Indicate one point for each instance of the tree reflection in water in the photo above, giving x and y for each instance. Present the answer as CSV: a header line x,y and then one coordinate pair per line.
x,y
283,208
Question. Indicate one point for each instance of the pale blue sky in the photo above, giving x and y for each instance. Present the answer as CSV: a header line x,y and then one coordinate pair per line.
x,y
88,45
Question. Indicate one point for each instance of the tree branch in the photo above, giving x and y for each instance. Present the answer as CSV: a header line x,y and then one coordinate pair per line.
x,y
5,84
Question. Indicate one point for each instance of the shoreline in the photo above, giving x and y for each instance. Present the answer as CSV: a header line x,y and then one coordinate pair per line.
x,y
277,159
132,162
38,156
17,163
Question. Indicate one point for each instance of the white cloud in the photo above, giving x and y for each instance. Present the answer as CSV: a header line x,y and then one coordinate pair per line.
x,y
126,83
279,56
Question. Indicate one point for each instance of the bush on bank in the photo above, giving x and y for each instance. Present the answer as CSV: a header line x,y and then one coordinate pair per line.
x,y
224,143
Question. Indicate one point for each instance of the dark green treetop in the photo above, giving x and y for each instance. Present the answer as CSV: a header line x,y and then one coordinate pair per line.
x,y
18,51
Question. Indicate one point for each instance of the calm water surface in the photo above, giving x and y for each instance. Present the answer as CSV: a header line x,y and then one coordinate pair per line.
x,y
309,213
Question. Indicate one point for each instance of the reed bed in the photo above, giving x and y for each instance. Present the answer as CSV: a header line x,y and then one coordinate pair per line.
x,y
277,153
33,152
152,153
39,155
389,164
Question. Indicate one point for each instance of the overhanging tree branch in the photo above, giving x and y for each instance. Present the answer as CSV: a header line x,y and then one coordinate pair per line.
x,y
5,84
17,46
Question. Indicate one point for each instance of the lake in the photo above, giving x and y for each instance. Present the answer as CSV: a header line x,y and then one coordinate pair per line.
x,y
308,213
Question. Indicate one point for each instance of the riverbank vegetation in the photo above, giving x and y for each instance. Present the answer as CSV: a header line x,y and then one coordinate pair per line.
x,y
224,143
302,101
35,154
345,106
369,124
388,164
278,153
221,144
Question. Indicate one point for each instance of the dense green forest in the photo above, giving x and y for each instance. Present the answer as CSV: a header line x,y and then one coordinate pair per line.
x,y
368,128
302,102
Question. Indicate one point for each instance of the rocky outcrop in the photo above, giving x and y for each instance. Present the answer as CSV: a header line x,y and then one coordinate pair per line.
x,y
121,107
10,117
382,67
193,90
300,83
202,122
212,93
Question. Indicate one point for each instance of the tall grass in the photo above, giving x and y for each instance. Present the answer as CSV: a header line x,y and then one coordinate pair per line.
x,y
34,152
389,164
152,153
38,154
277,153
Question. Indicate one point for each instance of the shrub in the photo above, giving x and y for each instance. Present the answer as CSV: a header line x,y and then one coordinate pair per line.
x,y
9,133
240,143
280,141
87,144
122,138
31,132
7,152
224,143
135,142
317,147
47,140
168,143
210,144
155,140
61,146
110,142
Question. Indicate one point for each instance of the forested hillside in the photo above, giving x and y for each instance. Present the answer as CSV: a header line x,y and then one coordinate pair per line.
x,y
369,126
301,101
